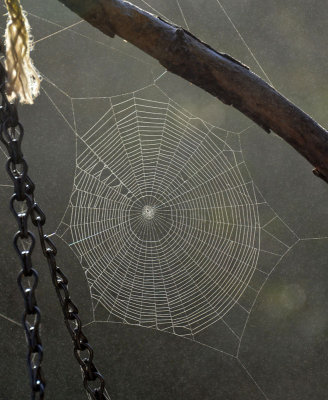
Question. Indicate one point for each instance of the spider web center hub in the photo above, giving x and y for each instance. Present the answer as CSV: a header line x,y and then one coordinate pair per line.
x,y
148,212
150,219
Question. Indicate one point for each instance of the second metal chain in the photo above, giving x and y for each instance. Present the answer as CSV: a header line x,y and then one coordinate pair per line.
x,y
82,350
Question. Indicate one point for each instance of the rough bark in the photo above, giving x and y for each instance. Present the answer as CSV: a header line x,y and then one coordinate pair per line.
x,y
219,74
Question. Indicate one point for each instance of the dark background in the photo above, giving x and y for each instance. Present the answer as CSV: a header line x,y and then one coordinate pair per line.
x,y
281,351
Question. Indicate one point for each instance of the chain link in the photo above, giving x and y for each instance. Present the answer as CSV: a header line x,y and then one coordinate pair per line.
x,y
21,205
11,134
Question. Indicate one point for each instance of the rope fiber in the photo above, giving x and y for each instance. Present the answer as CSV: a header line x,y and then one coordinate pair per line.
x,y
23,79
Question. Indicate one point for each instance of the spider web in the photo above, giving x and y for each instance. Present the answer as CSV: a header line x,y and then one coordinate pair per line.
x,y
162,217
166,221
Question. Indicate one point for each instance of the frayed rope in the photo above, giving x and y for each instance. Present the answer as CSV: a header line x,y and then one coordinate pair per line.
x,y
23,79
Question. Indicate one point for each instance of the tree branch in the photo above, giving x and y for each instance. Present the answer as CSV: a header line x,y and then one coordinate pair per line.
x,y
219,74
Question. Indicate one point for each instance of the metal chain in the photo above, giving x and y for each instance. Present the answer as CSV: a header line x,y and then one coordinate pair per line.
x,y
21,205
12,135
